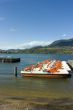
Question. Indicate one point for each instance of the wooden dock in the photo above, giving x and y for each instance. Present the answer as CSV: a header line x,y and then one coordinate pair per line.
x,y
9,59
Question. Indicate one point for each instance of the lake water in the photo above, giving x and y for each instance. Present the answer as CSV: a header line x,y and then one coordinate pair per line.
x,y
33,87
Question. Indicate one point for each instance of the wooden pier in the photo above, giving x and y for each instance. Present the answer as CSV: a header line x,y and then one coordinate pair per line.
x,y
9,59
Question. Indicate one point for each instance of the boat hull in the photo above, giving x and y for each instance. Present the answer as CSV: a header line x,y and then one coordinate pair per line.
x,y
46,75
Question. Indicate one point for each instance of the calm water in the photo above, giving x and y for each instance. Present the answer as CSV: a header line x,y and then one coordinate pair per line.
x,y
33,87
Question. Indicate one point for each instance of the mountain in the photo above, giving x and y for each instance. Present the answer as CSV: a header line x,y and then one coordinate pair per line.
x,y
59,46
62,43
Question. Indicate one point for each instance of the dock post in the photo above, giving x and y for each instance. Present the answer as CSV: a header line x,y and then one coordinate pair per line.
x,y
15,71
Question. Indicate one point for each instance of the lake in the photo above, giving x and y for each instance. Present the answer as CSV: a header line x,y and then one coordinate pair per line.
x,y
33,87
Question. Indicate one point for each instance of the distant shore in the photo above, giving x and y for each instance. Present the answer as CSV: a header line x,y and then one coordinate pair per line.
x,y
40,50
24,103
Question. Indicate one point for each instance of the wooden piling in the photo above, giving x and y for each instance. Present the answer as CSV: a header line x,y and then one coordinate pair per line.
x,y
15,71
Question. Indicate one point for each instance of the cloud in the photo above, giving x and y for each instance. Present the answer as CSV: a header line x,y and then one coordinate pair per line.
x,y
64,35
12,29
2,18
31,44
28,45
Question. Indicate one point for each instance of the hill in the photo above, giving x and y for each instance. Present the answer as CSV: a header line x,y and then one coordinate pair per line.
x,y
63,42
64,46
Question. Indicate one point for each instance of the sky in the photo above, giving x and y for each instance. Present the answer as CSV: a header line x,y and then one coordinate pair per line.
x,y
27,23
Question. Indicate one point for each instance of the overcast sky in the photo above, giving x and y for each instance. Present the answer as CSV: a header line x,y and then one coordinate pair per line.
x,y
34,22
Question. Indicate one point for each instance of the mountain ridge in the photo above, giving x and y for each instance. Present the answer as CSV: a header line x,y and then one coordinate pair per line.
x,y
58,46
62,42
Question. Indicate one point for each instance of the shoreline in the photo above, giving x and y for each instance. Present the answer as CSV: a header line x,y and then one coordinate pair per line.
x,y
37,103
